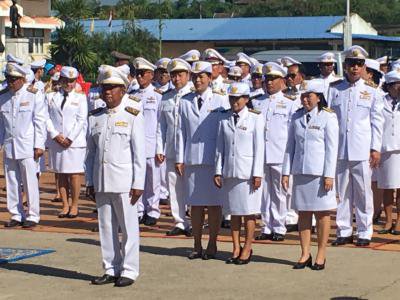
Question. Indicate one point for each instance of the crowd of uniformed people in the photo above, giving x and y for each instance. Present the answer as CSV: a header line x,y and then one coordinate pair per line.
x,y
231,139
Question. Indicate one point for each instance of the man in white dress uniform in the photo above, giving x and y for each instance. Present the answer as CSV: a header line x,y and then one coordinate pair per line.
x,y
359,108
115,174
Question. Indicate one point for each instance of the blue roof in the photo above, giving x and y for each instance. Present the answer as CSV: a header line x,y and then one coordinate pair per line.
x,y
234,29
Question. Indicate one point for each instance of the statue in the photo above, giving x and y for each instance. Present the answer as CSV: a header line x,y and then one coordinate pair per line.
x,y
15,18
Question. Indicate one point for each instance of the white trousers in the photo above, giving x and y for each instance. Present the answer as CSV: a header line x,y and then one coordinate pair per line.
x,y
292,216
354,188
149,203
120,258
17,171
273,205
176,196
163,181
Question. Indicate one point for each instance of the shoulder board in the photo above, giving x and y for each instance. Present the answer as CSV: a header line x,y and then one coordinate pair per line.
x,y
328,109
336,82
192,89
96,111
227,81
4,91
132,111
32,89
158,91
299,109
371,84
255,96
134,98
254,111
219,92
291,97
167,91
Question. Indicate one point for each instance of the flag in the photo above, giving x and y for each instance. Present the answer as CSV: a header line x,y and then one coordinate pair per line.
x,y
92,25
110,19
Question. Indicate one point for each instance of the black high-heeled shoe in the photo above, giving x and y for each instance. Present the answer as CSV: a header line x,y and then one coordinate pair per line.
x,y
318,267
240,261
71,216
62,215
302,265
232,259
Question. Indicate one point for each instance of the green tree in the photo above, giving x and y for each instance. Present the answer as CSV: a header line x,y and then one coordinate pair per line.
x,y
69,10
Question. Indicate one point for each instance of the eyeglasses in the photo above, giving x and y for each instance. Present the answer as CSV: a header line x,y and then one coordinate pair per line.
x,y
292,76
355,62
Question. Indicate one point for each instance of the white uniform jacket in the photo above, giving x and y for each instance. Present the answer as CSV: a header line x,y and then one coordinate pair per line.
x,y
168,122
328,80
116,158
150,102
197,131
277,110
359,109
240,147
391,127
71,121
312,148
22,122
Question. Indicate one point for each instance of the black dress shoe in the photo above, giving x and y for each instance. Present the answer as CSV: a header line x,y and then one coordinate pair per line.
x,y
395,232
340,241
226,224
124,281
28,224
231,260
189,232
12,223
277,237
264,237
176,231
196,255
164,202
318,267
244,261
104,279
150,221
362,242
95,229
302,265
385,231
292,227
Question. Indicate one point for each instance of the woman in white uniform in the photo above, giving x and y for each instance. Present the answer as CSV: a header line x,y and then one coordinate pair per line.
x,y
239,169
67,129
311,157
388,171
195,155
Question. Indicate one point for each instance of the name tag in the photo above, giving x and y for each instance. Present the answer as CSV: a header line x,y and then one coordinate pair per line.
x,y
242,128
365,96
150,101
75,103
24,103
281,106
121,124
314,127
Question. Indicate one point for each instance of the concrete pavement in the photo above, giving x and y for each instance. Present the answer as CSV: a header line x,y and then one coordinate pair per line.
x,y
166,273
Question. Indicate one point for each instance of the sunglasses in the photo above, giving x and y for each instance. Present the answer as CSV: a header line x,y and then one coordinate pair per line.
x,y
142,72
106,87
326,64
292,76
256,76
12,78
355,62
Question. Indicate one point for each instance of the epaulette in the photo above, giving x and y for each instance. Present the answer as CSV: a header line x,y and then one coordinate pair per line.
x,y
158,91
371,84
255,96
299,109
96,111
134,98
227,81
192,89
328,109
167,91
219,92
336,82
132,110
4,91
255,111
32,89
291,97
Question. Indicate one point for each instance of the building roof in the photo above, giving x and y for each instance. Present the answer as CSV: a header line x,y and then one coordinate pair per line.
x,y
37,22
234,29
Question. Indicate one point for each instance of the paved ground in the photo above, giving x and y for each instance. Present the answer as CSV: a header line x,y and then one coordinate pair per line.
x,y
166,273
